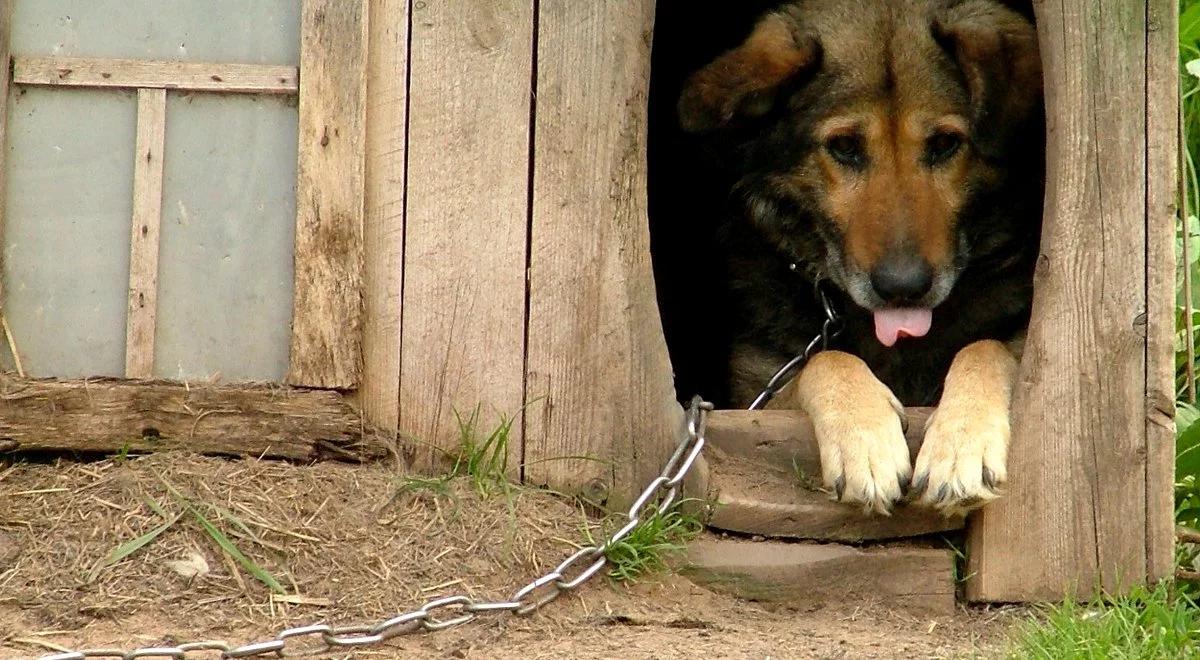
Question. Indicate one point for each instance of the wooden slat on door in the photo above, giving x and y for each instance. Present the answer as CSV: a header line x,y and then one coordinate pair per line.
x,y
142,309
383,236
599,381
326,348
465,227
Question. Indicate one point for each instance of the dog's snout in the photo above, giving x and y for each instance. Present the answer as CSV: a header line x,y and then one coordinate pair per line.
x,y
901,278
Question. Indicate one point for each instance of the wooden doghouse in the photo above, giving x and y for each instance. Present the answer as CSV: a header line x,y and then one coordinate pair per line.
x,y
468,232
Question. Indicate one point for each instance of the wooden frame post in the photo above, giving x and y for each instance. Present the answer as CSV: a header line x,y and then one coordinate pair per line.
x,y
601,415
1087,503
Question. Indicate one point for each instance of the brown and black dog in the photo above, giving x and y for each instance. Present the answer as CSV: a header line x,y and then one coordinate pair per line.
x,y
893,148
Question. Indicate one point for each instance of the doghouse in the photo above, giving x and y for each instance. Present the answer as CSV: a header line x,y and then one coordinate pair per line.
x,y
448,221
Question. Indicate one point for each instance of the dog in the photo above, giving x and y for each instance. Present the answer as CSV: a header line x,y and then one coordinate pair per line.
x,y
891,152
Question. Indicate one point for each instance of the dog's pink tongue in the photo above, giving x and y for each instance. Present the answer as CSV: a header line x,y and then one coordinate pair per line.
x,y
892,324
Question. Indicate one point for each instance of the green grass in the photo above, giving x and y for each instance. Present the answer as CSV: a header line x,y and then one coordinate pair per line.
x,y
481,459
650,546
1146,624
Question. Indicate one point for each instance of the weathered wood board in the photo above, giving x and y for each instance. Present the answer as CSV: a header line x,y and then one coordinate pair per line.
x,y
326,346
111,416
764,475
142,312
383,231
142,74
1085,488
601,415
1162,208
467,213
915,579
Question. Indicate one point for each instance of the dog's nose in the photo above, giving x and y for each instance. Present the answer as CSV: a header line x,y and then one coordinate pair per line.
x,y
902,278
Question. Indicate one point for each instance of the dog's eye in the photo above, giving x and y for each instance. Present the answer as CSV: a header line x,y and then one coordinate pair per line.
x,y
847,150
941,147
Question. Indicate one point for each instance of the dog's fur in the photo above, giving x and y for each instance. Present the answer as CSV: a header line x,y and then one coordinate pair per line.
x,y
852,130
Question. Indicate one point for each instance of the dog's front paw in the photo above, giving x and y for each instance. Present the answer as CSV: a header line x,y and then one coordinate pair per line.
x,y
962,461
859,426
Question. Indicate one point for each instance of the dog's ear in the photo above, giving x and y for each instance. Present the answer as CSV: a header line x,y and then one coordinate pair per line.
x,y
744,80
997,51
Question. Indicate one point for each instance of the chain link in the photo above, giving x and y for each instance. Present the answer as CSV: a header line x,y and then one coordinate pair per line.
x,y
830,329
451,611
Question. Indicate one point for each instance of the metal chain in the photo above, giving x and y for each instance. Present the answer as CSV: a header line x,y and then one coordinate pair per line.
x,y
830,329
447,612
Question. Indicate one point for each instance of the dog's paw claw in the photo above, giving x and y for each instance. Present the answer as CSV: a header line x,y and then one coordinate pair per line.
x,y
989,478
865,461
962,460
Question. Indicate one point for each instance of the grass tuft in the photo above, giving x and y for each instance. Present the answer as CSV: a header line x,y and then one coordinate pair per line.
x,y
650,545
1148,624
483,460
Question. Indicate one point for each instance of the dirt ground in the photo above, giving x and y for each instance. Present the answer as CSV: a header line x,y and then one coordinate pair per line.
x,y
348,545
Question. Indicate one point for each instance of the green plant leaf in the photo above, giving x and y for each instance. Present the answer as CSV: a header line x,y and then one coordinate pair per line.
x,y
133,545
227,546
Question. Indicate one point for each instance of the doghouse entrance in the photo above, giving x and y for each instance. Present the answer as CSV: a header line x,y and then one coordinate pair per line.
x,y
1069,428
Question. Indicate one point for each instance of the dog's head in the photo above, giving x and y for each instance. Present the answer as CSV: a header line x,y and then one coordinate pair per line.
x,y
866,133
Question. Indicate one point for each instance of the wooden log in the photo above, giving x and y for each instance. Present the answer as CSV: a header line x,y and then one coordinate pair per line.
x,y
463,346
383,231
1076,514
1162,196
142,74
142,309
326,348
911,578
601,415
109,416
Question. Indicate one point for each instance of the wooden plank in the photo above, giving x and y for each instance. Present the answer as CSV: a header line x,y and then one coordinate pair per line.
x,y
383,230
138,74
326,348
5,59
1074,516
912,578
753,498
110,415
598,379
1162,196
465,232
784,439
764,475
143,244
